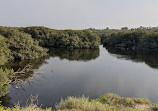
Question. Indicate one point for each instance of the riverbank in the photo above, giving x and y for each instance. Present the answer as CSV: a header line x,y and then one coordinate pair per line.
x,y
108,102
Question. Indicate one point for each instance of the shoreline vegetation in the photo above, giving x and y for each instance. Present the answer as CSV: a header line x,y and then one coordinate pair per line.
x,y
34,42
142,39
107,102
30,43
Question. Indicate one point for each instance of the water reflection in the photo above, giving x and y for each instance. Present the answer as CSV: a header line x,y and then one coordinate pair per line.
x,y
5,101
75,54
69,54
36,63
65,73
33,78
150,59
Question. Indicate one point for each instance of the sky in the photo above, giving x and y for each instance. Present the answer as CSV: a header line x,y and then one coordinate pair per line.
x,y
79,14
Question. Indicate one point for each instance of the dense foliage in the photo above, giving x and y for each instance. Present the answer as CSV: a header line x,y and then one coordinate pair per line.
x,y
63,38
4,51
4,80
29,42
22,44
141,39
107,102
125,40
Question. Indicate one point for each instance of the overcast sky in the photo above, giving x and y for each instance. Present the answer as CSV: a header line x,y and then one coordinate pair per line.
x,y
79,14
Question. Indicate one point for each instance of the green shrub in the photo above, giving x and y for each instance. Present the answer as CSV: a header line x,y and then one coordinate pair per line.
x,y
141,40
4,78
141,101
155,107
5,52
82,104
128,101
116,100
63,38
22,45
110,98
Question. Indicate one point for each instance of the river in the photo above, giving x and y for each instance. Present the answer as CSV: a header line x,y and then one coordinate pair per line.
x,y
91,73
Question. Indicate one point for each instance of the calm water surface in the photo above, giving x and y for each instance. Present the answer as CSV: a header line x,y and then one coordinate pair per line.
x,y
87,72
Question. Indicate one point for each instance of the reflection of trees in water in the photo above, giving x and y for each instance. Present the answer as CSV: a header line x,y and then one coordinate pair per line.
x,y
149,59
5,101
36,63
23,73
75,54
27,76
70,54
19,65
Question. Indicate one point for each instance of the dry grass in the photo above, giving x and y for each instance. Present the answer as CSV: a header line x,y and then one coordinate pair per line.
x,y
27,108
108,102
81,104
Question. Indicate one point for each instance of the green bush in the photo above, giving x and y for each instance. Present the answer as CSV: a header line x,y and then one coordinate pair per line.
x,y
155,107
116,100
5,52
128,101
82,104
141,101
63,38
110,98
22,45
4,80
145,41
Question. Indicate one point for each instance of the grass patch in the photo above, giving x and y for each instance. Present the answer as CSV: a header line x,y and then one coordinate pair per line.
x,y
82,104
27,108
155,107
108,102
113,99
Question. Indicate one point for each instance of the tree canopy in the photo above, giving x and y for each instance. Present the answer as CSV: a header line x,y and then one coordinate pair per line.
x,y
63,38
141,39
34,42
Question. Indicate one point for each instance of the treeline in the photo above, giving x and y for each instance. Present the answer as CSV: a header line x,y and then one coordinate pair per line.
x,y
63,38
18,45
4,80
144,40
34,42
